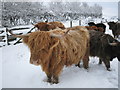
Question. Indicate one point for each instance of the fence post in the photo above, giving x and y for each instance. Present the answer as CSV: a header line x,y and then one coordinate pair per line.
x,y
70,23
6,37
79,22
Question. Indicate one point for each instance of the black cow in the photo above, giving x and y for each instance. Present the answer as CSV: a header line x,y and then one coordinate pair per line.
x,y
91,24
104,46
98,25
115,27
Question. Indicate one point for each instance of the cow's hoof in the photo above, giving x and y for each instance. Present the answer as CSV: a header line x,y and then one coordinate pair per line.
x,y
55,82
86,67
78,65
49,80
109,69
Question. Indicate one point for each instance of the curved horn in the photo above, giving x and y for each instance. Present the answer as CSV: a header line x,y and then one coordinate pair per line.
x,y
66,32
19,36
33,28
112,44
32,23
58,35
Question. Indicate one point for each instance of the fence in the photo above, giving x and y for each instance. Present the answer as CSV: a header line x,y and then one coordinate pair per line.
x,y
6,38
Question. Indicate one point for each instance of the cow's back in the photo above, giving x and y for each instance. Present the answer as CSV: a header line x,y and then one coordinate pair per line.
x,y
57,24
72,47
95,43
76,44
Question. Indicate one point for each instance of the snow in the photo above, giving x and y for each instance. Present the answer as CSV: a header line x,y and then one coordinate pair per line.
x,y
0,68
17,72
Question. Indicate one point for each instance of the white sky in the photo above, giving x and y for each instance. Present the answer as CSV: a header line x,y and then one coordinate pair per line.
x,y
109,8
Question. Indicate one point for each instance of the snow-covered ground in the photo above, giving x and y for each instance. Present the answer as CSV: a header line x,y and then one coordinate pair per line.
x,y
0,68
17,72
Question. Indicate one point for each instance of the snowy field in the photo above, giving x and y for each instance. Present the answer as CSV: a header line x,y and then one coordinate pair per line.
x,y
1,68
17,72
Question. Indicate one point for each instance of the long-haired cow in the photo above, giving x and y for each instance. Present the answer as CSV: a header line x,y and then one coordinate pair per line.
x,y
104,46
46,26
55,49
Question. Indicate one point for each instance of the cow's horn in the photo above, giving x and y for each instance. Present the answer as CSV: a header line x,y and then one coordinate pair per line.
x,y
66,32
55,35
58,35
113,44
32,23
19,36
33,28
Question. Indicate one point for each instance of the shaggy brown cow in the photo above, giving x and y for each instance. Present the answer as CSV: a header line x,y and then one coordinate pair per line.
x,y
95,28
46,26
54,49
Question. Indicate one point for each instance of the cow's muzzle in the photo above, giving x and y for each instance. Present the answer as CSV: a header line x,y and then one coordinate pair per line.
x,y
34,62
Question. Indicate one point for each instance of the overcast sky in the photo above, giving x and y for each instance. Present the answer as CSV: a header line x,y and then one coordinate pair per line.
x,y
109,8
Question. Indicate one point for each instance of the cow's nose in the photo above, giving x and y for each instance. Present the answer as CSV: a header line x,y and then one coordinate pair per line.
x,y
36,62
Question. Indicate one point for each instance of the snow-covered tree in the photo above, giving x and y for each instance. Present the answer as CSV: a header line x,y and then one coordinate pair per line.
x,y
15,13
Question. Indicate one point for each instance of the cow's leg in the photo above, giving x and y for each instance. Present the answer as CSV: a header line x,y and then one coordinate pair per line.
x,y
107,64
48,73
86,62
49,78
100,61
78,65
56,73
86,58
55,79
